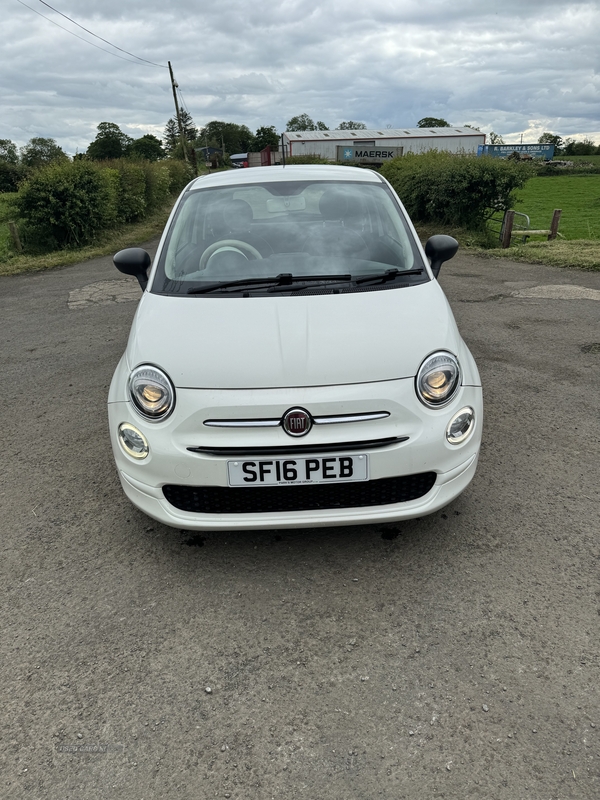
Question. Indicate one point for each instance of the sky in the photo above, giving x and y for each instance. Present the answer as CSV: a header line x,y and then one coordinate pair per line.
x,y
517,67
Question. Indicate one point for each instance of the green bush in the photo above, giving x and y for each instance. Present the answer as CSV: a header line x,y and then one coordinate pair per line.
x,y
67,203
180,174
550,169
450,189
307,159
158,182
8,214
10,176
132,190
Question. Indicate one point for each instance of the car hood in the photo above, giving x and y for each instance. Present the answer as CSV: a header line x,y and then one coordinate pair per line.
x,y
314,340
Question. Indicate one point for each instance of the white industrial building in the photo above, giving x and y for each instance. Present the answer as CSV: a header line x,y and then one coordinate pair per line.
x,y
378,146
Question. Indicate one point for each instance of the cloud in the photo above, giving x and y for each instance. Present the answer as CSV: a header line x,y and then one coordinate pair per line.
x,y
514,67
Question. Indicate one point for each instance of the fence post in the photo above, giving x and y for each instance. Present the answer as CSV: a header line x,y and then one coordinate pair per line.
x,y
509,219
14,234
554,223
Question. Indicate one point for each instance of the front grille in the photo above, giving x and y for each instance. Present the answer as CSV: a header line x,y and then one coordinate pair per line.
x,y
271,499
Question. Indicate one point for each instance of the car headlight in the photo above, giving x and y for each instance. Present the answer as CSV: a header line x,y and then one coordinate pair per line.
x,y
152,392
438,379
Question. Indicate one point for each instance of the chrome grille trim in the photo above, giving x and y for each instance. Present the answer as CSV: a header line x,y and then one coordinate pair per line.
x,y
242,423
274,423
333,420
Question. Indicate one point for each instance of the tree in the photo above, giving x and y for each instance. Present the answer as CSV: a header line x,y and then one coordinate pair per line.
x,y
10,176
304,123
172,136
473,128
110,142
584,148
148,147
11,172
8,152
265,137
350,125
495,138
551,138
433,122
38,152
234,138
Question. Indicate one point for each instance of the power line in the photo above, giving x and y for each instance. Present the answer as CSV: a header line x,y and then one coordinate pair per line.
x,y
182,99
81,37
100,37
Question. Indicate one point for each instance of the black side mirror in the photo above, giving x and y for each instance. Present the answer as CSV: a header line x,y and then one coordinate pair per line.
x,y
438,249
134,261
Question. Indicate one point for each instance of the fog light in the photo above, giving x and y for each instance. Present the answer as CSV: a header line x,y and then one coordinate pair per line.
x,y
133,442
461,426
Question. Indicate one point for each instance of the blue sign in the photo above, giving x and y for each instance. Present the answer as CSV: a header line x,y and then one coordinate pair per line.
x,y
545,151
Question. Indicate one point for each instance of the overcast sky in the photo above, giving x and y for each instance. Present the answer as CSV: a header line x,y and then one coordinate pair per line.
x,y
515,67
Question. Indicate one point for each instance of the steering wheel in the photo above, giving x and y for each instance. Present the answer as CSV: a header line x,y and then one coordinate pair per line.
x,y
242,247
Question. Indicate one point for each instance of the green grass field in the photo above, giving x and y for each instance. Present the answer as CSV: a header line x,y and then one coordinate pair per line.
x,y
578,196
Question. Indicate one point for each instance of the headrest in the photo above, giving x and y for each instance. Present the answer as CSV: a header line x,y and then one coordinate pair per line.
x,y
333,204
237,215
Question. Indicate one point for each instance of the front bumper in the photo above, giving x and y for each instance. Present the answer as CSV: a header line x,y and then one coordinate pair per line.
x,y
170,462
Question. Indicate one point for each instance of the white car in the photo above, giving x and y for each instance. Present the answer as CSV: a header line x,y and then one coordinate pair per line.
x,y
293,361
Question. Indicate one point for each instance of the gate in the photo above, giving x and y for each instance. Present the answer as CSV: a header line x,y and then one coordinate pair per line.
x,y
265,156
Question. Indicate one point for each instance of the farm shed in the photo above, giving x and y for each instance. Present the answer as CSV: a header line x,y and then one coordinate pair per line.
x,y
377,146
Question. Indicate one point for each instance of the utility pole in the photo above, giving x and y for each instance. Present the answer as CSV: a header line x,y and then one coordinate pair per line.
x,y
179,123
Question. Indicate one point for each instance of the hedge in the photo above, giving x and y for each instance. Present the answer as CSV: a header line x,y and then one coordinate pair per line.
x,y
307,159
67,204
450,189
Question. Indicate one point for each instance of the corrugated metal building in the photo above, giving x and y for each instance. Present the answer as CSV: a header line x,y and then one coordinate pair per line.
x,y
377,146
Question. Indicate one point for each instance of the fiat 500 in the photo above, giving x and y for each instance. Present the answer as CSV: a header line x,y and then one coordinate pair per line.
x,y
293,361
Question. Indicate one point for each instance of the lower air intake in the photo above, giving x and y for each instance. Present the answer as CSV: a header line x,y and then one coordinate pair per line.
x,y
272,499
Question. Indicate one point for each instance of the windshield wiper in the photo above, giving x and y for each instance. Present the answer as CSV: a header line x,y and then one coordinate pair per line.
x,y
276,280
302,280
327,280
388,275
284,280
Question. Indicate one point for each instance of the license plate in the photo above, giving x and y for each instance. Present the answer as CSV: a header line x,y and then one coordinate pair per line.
x,y
297,471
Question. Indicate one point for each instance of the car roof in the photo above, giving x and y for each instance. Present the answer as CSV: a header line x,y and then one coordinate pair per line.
x,y
292,172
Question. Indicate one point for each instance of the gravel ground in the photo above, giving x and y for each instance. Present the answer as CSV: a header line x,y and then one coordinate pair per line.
x,y
455,656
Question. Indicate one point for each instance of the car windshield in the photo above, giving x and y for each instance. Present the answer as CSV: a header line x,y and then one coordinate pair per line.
x,y
288,237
